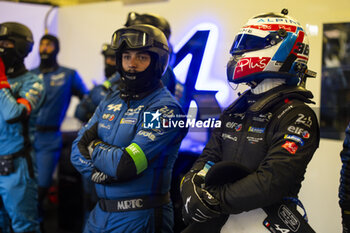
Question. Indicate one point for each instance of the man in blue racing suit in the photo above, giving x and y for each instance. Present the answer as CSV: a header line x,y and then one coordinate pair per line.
x,y
60,84
21,93
128,148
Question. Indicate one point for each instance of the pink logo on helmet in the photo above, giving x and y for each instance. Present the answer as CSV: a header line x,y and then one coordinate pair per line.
x,y
246,66
274,27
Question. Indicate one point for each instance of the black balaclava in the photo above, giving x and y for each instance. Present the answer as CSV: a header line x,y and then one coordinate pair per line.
x,y
14,63
49,60
141,84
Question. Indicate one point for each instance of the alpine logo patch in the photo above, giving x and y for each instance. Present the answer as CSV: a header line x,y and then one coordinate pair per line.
x,y
114,107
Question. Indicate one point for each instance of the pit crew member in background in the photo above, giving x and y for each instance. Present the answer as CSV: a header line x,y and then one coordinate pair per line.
x,y
60,84
21,94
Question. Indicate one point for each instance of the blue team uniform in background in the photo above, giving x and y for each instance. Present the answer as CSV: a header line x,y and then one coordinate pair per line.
x,y
18,190
121,124
59,85
88,105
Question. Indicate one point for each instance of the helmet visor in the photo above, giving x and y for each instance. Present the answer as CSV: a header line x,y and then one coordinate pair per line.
x,y
134,39
247,42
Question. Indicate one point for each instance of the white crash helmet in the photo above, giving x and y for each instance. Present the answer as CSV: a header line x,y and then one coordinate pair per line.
x,y
269,46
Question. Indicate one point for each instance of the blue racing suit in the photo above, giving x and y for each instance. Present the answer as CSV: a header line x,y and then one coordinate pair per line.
x,y
18,189
87,106
169,80
59,85
121,128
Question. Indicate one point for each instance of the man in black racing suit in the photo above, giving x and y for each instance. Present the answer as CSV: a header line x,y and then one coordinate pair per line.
x,y
269,129
344,188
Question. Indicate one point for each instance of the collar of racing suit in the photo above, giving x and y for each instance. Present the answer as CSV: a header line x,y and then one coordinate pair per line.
x,y
283,92
17,70
267,85
268,99
128,95
48,69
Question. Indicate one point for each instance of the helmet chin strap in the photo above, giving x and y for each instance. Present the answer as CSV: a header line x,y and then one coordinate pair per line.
x,y
252,84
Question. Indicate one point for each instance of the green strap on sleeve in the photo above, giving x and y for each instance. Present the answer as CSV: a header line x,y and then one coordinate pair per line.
x,y
138,156
107,84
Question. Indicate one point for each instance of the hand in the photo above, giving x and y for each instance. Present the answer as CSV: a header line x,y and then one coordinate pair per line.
x,y
92,146
101,178
88,141
199,204
3,79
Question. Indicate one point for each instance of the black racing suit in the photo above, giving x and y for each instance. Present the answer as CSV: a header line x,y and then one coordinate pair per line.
x,y
344,189
275,135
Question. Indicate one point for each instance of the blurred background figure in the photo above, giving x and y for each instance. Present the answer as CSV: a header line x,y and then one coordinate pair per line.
x,y
21,94
89,103
60,84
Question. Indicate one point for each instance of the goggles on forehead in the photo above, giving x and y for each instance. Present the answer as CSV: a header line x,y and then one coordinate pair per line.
x,y
134,39
247,42
3,31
